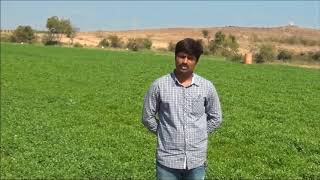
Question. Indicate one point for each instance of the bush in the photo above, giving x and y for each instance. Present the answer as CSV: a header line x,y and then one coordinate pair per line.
x,y
23,34
147,43
104,43
171,46
316,56
135,44
77,45
49,40
266,53
115,41
224,45
284,55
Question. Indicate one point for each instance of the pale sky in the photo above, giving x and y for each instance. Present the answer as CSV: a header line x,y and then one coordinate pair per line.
x,y
124,15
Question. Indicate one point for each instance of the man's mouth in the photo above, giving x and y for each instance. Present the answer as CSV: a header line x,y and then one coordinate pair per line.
x,y
184,67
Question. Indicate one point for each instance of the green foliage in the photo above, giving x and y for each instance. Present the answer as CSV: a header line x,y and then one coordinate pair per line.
x,y
54,25
49,40
316,56
135,44
57,27
219,38
104,43
147,43
284,55
224,45
77,45
23,34
171,46
115,41
266,53
205,33
69,113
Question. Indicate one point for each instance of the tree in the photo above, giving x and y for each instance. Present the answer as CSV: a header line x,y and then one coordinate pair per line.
x,y
205,34
23,34
53,25
219,38
230,44
217,44
71,33
57,27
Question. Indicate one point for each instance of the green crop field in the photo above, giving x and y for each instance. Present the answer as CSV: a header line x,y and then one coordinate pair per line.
x,y
75,113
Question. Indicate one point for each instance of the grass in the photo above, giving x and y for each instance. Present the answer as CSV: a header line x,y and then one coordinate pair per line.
x,y
75,113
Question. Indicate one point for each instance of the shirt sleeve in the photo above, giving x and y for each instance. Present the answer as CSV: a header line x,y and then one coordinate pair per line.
x,y
151,108
213,110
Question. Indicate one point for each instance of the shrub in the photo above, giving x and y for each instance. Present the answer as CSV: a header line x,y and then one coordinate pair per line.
x,y
23,34
224,45
171,46
316,56
104,43
284,55
115,41
49,40
266,53
77,45
147,43
133,44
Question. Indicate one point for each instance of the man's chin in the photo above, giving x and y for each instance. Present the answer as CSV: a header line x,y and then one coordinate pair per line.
x,y
184,71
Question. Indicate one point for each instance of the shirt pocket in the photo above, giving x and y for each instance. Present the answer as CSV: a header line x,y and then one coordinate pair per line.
x,y
198,108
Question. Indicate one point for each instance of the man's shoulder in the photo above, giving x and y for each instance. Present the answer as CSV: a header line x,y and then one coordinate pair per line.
x,y
202,81
163,79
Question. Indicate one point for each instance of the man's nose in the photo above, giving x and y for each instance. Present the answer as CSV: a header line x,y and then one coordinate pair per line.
x,y
185,60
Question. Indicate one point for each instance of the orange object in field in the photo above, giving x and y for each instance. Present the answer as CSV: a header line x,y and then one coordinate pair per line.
x,y
248,58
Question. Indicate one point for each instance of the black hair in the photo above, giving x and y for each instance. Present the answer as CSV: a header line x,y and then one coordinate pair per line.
x,y
189,46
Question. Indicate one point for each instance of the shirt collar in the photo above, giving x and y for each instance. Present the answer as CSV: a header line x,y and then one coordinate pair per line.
x,y
194,80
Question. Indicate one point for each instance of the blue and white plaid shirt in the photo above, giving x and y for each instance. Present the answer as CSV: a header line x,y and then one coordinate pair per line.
x,y
186,116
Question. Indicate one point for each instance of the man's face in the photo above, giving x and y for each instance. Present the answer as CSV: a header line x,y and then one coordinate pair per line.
x,y
185,63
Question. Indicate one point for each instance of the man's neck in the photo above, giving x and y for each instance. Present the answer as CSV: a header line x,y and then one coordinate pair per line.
x,y
184,79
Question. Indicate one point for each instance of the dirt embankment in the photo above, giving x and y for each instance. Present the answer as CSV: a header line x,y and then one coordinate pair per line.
x,y
246,36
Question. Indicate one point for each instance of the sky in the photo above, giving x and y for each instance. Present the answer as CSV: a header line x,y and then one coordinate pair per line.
x,y
125,15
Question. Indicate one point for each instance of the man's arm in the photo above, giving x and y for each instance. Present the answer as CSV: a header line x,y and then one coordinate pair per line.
x,y
151,108
213,110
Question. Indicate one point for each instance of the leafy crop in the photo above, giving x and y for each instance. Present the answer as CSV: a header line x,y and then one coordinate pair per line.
x,y
75,113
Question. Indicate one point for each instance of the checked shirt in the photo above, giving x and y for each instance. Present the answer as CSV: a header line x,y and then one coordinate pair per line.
x,y
181,117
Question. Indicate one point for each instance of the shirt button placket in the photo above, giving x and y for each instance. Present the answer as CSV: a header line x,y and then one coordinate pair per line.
x,y
185,94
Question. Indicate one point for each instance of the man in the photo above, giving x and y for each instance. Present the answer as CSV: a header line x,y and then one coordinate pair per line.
x,y
188,108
